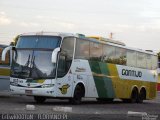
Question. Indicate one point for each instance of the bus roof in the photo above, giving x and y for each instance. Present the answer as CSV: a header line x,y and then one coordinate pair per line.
x,y
107,40
97,39
117,44
48,34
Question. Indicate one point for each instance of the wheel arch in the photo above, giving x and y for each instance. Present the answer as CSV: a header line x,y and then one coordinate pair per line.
x,y
143,88
134,87
82,84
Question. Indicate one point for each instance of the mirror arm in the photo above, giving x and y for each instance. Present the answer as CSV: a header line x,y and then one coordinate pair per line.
x,y
54,54
4,52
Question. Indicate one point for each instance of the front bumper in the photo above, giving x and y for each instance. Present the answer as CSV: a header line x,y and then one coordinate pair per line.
x,y
48,92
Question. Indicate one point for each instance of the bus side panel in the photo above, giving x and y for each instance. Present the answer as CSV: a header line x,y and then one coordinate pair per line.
x,y
130,77
83,74
120,87
102,80
110,83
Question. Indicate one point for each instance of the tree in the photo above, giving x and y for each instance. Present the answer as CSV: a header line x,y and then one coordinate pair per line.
x,y
14,42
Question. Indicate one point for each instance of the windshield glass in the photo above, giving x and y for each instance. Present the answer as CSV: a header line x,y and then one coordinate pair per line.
x,y
33,64
49,42
32,57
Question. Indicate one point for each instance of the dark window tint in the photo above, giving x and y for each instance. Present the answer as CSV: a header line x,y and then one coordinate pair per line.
x,y
141,60
154,62
82,49
120,56
109,54
131,58
149,61
49,42
95,51
65,56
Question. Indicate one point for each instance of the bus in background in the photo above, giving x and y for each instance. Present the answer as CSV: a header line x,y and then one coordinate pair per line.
x,y
67,66
4,70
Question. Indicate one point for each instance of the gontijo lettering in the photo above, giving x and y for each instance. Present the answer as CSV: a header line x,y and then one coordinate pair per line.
x,y
132,73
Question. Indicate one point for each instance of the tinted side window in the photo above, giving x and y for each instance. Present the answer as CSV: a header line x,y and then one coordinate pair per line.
x,y
141,60
154,62
82,49
95,51
120,56
109,54
149,61
65,56
131,58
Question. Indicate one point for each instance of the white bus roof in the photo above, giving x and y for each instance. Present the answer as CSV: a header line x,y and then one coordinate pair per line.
x,y
48,34
109,42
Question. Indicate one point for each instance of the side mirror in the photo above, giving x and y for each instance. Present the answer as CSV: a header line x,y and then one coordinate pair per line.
x,y
54,55
4,52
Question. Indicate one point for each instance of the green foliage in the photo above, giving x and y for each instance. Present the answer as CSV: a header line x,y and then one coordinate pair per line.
x,y
14,42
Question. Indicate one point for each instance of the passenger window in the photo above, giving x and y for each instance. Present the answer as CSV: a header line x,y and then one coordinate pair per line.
x,y
82,49
141,60
149,61
120,56
154,62
65,56
109,54
131,58
95,51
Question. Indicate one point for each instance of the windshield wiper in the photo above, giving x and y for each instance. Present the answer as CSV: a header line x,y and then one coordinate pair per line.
x,y
22,71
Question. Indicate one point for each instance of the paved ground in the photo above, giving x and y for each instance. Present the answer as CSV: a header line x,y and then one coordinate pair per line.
x,y
90,109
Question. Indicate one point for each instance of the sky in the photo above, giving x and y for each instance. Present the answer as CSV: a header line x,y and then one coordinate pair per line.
x,y
134,22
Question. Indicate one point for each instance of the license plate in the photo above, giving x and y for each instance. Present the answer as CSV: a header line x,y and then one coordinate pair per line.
x,y
28,92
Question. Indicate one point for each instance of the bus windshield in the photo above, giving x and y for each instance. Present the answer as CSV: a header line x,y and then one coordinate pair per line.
x,y
49,42
33,57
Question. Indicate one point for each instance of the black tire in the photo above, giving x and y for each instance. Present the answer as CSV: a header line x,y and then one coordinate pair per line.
x,y
78,94
141,96
39,99
134,96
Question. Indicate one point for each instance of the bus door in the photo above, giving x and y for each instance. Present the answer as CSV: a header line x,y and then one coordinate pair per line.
x,y
64,79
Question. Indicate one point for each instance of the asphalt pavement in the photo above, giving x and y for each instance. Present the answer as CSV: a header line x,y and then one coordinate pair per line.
x,y
18,107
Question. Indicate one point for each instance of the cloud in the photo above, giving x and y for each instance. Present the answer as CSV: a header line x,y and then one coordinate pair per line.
x,y
55,21
4,20
29,24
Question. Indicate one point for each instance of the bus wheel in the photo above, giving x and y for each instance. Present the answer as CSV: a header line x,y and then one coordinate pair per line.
x,y
134,96
39,99
142,95
78,94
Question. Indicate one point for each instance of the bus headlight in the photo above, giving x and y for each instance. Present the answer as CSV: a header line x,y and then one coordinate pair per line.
x,y
47,85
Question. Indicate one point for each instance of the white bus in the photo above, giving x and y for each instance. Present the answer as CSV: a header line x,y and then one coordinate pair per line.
x,y
68,66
